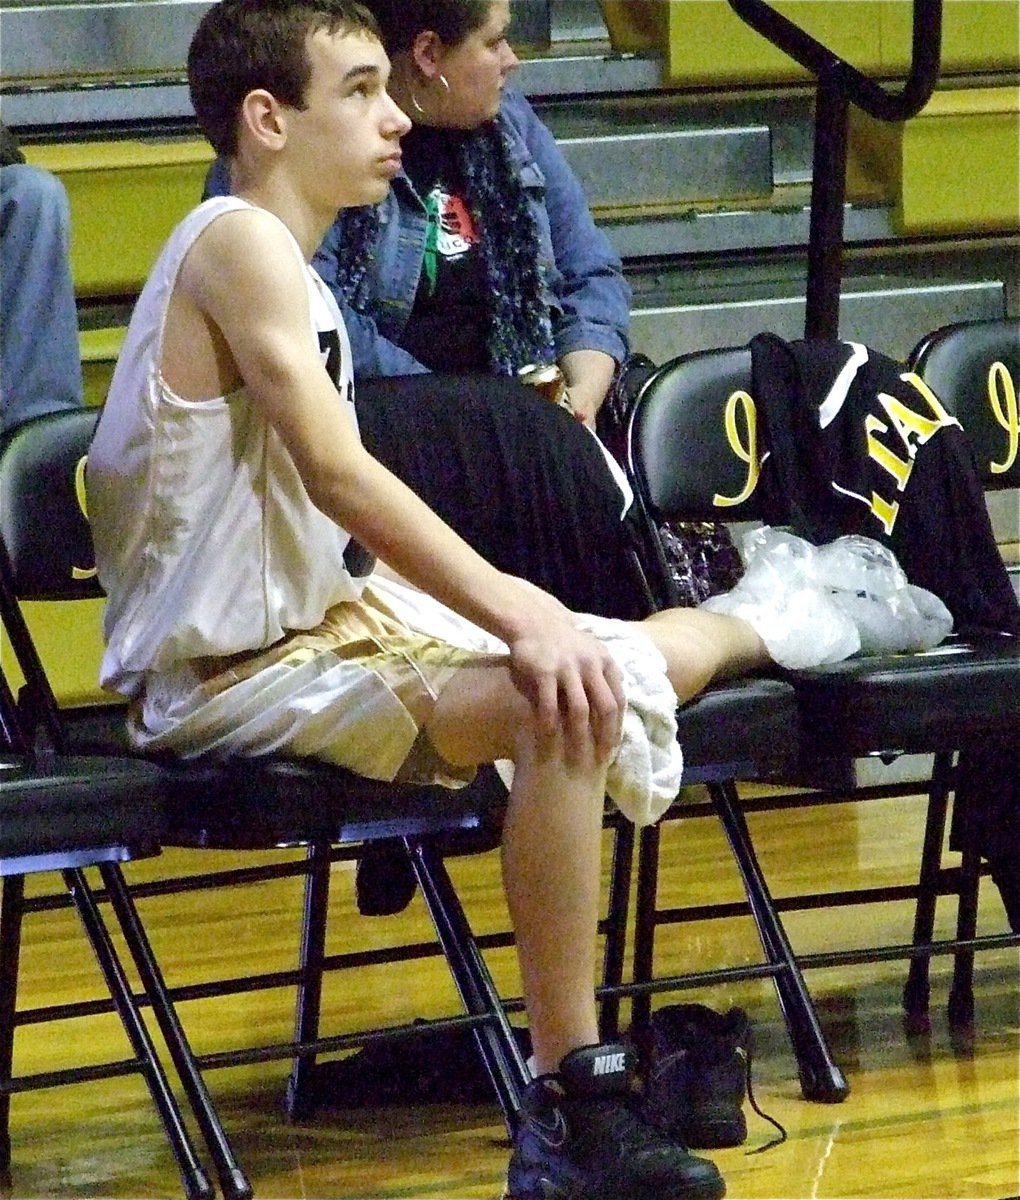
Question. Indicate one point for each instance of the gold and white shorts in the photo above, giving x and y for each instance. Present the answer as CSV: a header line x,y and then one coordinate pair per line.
x,y
359,688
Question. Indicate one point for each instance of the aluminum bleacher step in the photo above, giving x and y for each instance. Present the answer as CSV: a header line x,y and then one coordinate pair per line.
x,y
671,166
891,314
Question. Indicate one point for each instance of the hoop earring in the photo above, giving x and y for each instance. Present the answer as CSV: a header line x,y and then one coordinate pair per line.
x,y
417,107
444,81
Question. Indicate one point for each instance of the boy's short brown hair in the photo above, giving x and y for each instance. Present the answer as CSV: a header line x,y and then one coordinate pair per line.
x,y
241,45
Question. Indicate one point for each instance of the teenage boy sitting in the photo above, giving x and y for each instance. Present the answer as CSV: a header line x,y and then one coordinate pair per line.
x,y
236,519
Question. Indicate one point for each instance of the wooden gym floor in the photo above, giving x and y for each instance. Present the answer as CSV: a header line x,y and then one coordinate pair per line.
x,y
931,1116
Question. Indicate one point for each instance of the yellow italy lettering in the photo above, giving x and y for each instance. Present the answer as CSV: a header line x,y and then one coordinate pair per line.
x,y
79,491
913,428
1002,398
898,468
746,451
885,511
933,402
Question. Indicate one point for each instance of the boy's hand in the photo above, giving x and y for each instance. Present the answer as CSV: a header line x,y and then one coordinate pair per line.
x,y
571,680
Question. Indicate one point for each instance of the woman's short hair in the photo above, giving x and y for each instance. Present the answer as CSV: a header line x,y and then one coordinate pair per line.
x,y
400,21
241,45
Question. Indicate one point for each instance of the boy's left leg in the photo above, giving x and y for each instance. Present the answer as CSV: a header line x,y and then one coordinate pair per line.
x,y
582,1133
551,849
703,647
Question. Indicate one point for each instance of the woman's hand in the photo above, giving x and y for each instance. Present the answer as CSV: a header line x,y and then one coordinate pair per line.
x,y
589,376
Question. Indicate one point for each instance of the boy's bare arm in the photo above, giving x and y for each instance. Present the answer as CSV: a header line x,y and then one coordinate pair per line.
x,y
569,677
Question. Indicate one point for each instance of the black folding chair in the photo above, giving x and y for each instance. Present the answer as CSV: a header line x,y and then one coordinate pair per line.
x,y
68,814
974,369
256,804
745,729
692,456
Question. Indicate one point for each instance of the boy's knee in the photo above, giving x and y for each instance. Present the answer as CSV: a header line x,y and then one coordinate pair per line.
x,y
572,754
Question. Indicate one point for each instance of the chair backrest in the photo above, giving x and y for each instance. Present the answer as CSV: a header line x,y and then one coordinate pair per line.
x,y
44,529
693,439
46,550
697,443
974,369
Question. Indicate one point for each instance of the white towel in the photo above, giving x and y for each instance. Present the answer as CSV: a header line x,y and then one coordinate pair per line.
x,y
644,776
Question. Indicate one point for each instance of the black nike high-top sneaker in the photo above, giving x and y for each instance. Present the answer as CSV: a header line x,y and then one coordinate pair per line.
x,y
582,1137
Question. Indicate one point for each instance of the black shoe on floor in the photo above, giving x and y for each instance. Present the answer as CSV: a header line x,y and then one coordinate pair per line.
x,y
582,1137
697,1074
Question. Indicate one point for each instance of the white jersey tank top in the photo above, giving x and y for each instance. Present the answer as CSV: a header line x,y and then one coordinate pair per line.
x,y
206,540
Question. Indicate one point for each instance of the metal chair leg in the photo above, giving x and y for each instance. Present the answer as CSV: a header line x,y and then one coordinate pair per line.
x,y
309,998
649,844
820,1077
615,949
961,993
916,990
11,912
197,1185
495,1038
233,1182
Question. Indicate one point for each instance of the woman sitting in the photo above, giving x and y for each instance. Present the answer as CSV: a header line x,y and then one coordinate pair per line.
x,y
483,260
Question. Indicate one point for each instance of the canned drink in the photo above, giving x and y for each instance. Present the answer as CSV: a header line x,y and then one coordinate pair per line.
x,y
547,379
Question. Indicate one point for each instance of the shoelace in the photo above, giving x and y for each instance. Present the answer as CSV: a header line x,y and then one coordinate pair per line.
x,y
745,1057
782,1135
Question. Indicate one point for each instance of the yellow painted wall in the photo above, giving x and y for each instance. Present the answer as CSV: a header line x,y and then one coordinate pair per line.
x,y
126,197
954,168
708,44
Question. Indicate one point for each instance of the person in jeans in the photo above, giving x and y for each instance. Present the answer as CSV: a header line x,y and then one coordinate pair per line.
x,y
40,361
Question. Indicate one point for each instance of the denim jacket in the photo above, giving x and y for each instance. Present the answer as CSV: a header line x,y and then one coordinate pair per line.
x,y
588,297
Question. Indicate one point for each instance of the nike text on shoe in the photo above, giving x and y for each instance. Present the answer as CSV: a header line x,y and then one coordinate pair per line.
x,y
582,1137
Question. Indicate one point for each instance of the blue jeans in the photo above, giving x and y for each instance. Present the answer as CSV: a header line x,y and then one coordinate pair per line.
x,y
40,361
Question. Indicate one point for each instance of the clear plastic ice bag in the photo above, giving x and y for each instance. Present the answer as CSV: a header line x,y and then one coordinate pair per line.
x,y
817,605
869,585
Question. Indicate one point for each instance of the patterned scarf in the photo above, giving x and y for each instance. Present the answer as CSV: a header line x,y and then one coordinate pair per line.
x,y
520,326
